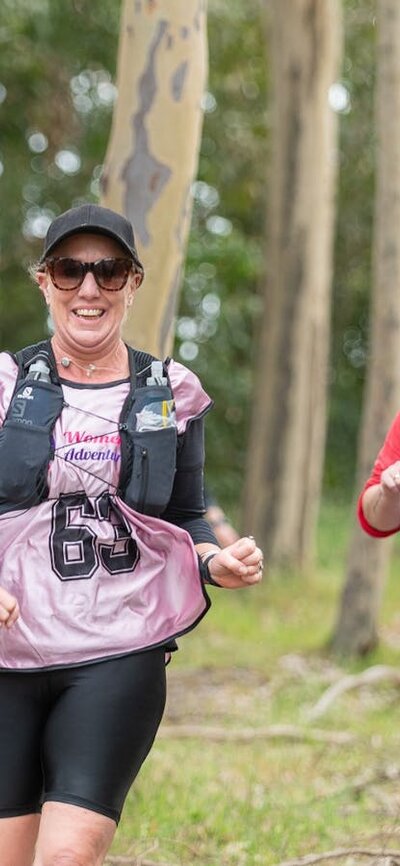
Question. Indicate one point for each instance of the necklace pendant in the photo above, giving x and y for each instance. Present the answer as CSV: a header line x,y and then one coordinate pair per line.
x,y
90,369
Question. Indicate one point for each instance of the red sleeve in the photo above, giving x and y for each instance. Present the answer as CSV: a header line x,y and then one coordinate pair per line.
x,y
389,453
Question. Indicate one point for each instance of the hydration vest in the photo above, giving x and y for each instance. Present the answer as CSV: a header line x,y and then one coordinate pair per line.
x,y
148,456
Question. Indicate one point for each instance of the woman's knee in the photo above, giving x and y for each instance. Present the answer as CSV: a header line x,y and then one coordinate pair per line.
x,y
66,857
69,856
72,836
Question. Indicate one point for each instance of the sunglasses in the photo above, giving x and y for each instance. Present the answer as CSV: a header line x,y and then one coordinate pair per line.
x,y
68,274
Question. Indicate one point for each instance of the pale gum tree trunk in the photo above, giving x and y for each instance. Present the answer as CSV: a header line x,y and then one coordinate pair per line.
x,y
287,438
356,630
152,156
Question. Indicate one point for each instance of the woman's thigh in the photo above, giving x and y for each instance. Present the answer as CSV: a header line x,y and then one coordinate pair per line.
x,y
101,728
23,708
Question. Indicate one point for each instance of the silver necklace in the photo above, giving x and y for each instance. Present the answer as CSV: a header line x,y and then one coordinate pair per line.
x,y
89,369
66,362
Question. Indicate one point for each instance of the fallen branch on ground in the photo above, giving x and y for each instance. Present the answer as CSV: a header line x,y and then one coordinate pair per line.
x,y
307,860
366,780
247,735
120,860
375,674
343,852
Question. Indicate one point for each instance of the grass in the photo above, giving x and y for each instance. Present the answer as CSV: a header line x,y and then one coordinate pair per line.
x,y
259,659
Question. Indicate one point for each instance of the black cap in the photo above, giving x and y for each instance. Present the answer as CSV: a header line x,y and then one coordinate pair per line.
x,y
94,219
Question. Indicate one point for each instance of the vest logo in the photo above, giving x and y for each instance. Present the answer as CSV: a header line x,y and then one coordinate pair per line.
x,y
26,394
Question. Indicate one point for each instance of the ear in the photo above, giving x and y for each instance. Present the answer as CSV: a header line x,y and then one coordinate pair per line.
x,y
43,282
137,280
134,283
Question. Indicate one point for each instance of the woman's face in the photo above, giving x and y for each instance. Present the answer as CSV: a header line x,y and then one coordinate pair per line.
x,y
88,318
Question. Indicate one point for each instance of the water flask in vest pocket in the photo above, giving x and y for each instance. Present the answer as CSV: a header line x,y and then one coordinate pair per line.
x,y
151,426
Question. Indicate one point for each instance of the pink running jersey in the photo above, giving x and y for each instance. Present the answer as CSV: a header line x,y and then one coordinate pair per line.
x,y
94,578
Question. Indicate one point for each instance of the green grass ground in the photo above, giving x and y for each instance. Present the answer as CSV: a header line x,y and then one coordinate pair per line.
x,y
259,659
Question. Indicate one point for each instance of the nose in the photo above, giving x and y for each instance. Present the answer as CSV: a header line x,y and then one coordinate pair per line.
x,y
89,287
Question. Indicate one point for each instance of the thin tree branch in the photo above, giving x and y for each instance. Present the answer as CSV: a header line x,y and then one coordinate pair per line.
x,y
245,735
338,853
375,674
307,860
121,860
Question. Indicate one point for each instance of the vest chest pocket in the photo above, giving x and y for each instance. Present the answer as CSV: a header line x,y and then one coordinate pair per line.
x,y
26,444
24,459
154,462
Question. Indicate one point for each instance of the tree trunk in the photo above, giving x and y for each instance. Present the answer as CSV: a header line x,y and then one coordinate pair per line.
x,y
153,150
287,437
356,631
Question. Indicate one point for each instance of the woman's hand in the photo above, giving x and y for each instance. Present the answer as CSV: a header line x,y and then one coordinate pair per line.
x,y
390,478
9,609
381,502
238,565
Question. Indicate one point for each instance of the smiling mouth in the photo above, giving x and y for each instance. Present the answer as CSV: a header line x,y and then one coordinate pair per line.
x,y
88,314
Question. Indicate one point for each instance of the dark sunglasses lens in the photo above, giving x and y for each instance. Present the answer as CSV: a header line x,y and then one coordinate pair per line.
x,y
112,274
67,273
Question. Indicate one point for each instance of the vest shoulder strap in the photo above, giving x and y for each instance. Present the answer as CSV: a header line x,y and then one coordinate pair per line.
x,y
25,356
139,365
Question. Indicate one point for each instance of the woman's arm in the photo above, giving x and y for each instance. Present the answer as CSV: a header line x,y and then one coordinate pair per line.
x,y
238,564
381,502
186,507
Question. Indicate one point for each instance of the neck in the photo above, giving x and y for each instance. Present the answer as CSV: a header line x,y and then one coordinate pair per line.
x,y
80,365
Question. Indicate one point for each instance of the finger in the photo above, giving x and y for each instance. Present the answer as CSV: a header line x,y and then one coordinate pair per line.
x,y
390,477
254,558
391,482
243,547
251,578
4,613
254,567
231,562
395,477
252,573
254,562
9,607
14,614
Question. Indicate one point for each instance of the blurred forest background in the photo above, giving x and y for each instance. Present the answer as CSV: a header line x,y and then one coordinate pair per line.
x,y
240,775
57,92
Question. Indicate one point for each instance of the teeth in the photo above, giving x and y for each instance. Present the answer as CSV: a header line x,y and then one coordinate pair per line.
x,y
88,313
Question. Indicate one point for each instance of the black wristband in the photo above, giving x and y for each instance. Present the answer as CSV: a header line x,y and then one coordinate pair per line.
x,y
205,571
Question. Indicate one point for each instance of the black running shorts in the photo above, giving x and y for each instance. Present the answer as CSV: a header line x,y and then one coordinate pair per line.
x,y
78,735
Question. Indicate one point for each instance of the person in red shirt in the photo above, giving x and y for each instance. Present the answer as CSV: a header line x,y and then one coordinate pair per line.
x,y
379,501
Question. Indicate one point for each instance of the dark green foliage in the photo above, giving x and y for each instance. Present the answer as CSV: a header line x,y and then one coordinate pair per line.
x,y
43,46
49,45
